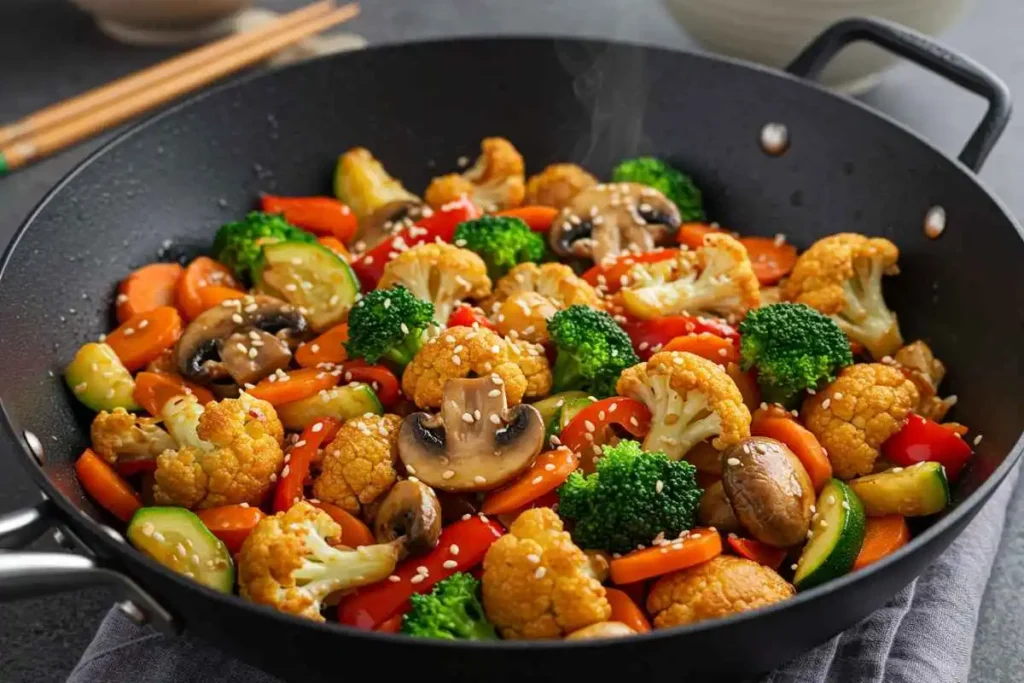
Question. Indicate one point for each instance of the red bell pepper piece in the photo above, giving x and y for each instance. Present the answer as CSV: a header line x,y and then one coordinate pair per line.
x,y
648,335
465,543
755,550
439,225
923,440
320,215
610,275
465,316
291,486
380,379
129,468
628,413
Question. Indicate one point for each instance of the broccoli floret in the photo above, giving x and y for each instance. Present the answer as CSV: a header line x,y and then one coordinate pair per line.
x,y
794,348
634,498
592,350
672,183
451,611
502,242
238,245
388,323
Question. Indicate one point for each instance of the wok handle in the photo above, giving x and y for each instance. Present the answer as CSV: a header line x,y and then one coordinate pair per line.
x,y
25,574
926,53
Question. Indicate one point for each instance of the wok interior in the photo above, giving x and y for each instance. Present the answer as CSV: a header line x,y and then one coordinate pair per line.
x,y
165,188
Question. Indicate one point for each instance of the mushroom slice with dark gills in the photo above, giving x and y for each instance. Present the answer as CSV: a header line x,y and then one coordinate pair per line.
x,y
411,513
476,442
239,342
609,219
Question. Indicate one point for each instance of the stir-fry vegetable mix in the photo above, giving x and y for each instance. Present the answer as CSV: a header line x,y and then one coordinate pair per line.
x,y
406,415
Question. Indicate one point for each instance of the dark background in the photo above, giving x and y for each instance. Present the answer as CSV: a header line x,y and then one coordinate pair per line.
x,y
49,50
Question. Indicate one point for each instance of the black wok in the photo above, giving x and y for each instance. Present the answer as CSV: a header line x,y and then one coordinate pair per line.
x,y
421,106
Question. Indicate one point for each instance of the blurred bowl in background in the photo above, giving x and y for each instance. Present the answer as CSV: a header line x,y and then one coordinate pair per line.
x,y
163,22
772,32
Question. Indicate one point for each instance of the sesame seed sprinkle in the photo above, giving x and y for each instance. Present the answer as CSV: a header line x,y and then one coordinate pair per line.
x,y
539,574
454,549
450,564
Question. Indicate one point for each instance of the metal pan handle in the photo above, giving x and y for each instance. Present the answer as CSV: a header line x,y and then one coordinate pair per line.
x,y
926,53
32,574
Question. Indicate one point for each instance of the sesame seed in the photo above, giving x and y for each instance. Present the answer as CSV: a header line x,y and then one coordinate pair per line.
x,y
159,537
286,470
633,421
733,461
317,427
456,360
977,439
483,518
80,387
467,418
495,419
466,517
148,529
536,480
550,467
448,474
826,403
180,549
417,579
659,486
539,574
454,549
497,379
394,578
480,479
237,319
128,331
589,425
823,523
846,505
793,566
831,499
533,557
450,564
142,325
495,349
897,470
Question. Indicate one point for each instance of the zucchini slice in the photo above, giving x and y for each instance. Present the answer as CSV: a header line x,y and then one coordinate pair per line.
x,y
99,380
837,533
914,491
177,539
342,403
310,276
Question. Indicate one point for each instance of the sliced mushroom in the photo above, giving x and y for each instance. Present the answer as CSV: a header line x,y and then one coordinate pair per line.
x,y
388,219
229,345
769,490
476,442
606,220
411,513
716,510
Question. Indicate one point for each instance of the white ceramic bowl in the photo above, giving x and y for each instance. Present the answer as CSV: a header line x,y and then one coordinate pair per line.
x,y
772,32
163,21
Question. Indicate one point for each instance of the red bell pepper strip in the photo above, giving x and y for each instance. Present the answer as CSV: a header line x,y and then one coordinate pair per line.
x,y
129,468
648,335
610,275
923,440
381,380
291,486
439,225
465,543
465,316
320,215
628,413
105,486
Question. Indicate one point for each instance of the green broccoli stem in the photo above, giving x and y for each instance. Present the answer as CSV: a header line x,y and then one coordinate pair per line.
x,y
402,354
567,374
784,396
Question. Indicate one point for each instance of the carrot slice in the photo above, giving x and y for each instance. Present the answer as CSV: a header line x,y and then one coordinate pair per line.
x,y
772,260
804,445
626,611
329,347
747,385
337,246
762,553
214,295
202,272
106,487
231,523
882,536
353,532
293,386
700,545
539,218
147,288
144,337
154,389
546,474
692,234
392,625
706,345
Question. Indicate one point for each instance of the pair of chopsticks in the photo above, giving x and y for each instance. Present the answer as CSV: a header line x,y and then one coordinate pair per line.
x,y
66,123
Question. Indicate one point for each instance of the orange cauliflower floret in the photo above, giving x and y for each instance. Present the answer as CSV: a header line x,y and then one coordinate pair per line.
x,y
557,184
359,465
690,398
229,452
534,364
841,276
120,435
493,183
926,372
717,588
287,563
537,583
529,294
854,415
439,273
462,352
717,279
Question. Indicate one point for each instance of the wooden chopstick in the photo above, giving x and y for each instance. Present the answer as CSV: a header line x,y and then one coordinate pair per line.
x,y
40,143
105,94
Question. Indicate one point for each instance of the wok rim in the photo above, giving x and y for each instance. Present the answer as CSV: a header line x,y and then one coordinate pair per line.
x,y
964,511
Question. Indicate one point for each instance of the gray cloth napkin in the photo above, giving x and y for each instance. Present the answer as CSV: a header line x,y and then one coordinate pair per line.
x,y
925,633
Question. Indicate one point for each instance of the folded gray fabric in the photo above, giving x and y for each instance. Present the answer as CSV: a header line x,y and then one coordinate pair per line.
x,y
925,633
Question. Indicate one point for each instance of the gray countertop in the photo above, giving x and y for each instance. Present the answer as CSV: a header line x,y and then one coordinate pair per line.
x,y
49,51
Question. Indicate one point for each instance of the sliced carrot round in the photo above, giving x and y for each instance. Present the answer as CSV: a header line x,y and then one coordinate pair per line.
x,y
882,536
106,487
706,345
147,288
202,272
231,523
211,296
626,611
337,246
547,473
293,386
699,545
692,234
154,389
539,218
142,338
800,440
329,347
772,259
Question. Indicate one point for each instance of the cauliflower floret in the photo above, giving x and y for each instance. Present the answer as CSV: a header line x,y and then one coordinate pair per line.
x,y
717,279
462,352
557,184
537,583
359,465
526,298
690,398
926,372
854,415
361,182
722,586
120,435
493,183
287,563
439,273
534,364
841,276
229,452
